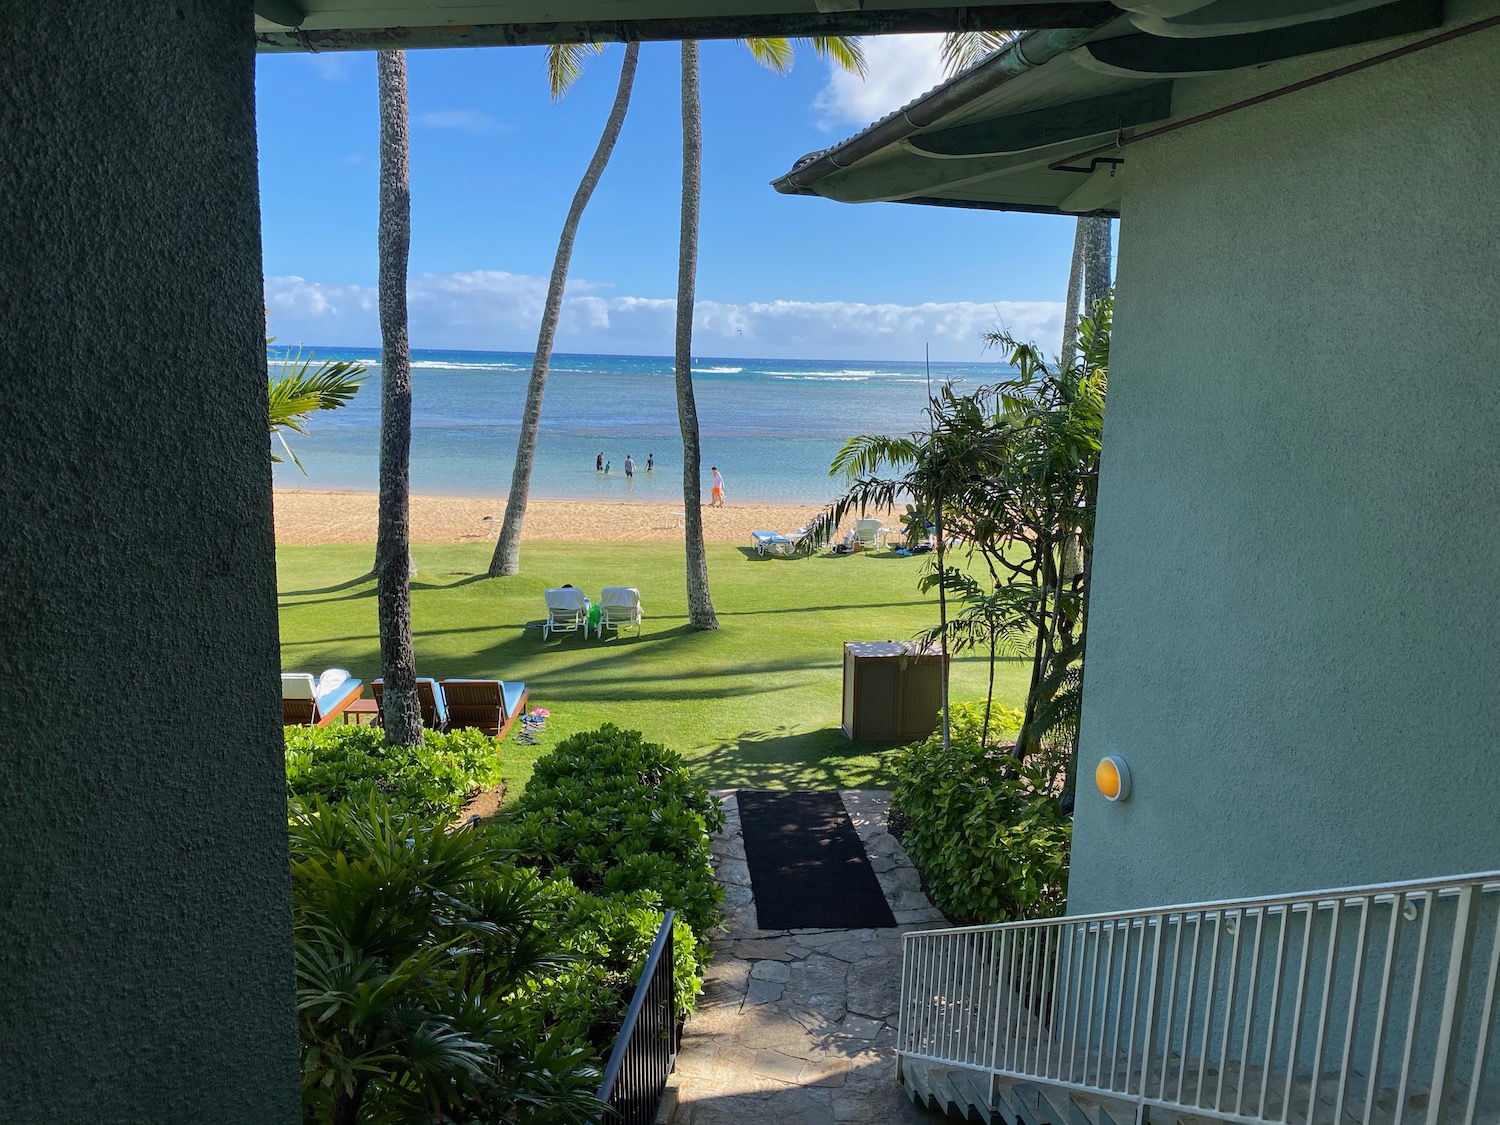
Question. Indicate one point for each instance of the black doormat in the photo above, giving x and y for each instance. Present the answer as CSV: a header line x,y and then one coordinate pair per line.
x,y
807,867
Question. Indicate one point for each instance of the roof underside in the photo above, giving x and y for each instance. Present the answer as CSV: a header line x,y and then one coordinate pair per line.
x,y
322,25
1046,125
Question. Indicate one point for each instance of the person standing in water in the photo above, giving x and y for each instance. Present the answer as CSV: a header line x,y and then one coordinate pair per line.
x,y
629,466
599,462
650,461
717,499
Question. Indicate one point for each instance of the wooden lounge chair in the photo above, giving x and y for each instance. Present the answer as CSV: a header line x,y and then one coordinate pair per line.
x,y
487,705
309,702
429,698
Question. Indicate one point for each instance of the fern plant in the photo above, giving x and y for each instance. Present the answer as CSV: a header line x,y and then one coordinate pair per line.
x,y
413,948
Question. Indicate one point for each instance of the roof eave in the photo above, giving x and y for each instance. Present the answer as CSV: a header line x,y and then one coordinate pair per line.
x,y
1025,54
306,35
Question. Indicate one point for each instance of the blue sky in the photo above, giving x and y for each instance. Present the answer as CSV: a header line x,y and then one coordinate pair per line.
x,y
495,162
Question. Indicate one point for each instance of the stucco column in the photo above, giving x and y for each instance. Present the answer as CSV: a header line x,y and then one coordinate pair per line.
x,y
145,945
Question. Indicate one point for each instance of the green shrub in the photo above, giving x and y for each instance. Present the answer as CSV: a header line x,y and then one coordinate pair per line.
x,y
416,949
622,830
619,815
610,833
609,939
349,763
986,830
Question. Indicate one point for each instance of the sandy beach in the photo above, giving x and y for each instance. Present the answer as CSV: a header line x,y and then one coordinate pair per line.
x,y
311,516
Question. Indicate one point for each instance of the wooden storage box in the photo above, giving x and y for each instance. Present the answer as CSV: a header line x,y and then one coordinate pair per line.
x,y
893,690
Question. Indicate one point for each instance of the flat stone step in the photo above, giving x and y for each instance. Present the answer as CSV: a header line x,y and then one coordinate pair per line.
x,y
953,1090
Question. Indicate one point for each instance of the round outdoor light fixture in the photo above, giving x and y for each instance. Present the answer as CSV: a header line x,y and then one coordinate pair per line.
x,y
1112,776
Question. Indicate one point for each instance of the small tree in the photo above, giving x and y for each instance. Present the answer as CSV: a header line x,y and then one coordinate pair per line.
x,y
1050,498
1010,471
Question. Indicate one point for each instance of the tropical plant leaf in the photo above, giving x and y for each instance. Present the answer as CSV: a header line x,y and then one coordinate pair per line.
x,y
843,51
775,54
962,49
300,390
565,62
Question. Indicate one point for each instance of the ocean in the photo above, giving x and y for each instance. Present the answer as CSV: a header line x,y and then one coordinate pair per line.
x,y
770,425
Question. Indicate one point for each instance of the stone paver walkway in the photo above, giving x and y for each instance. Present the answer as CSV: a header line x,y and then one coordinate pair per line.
x,y
798,1027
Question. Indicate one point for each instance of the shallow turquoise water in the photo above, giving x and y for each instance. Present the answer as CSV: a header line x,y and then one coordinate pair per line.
x,y
771,426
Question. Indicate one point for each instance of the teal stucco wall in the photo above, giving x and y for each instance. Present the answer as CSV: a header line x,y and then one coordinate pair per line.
x,y
1295,632
145,937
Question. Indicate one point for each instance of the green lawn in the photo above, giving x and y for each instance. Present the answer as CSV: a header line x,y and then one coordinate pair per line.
x,y
755,704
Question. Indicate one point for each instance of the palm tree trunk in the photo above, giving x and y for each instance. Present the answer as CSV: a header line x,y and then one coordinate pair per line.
x,y
403,720
942,565
700,604
507,557
1075,292
1096,262
989,695
1041,651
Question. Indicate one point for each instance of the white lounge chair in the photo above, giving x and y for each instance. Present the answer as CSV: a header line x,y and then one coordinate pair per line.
x,y
773,543
309,702
567,611
620,608
870,534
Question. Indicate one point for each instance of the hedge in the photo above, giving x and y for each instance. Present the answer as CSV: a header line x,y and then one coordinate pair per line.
x,y
348,763
985,829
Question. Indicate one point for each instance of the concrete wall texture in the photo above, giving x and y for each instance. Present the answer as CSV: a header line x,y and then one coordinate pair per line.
x,y
1293,639
145,936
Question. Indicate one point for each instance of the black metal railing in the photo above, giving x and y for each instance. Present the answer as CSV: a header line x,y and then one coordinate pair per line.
x,y
646,1048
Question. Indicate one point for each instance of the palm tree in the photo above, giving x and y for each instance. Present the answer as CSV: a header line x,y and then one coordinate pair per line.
x,y
564,65
775,55
403,719
1012,471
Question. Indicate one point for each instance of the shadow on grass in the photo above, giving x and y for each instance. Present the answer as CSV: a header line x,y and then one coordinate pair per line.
x,y
755,556
354,597
465,581
464,578
416,585
782,759
804,610
335,588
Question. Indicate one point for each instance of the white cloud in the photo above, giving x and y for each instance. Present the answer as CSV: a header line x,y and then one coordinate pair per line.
x,y
900,68
313,301
462,120
491,309
332,66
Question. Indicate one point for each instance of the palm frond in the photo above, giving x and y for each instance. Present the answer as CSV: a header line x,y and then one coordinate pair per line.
x,y
962,49
298,392
775,54
565,64
865,454
844,51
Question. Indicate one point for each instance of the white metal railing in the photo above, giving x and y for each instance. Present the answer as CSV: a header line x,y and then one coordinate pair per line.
x,y
1365,1004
